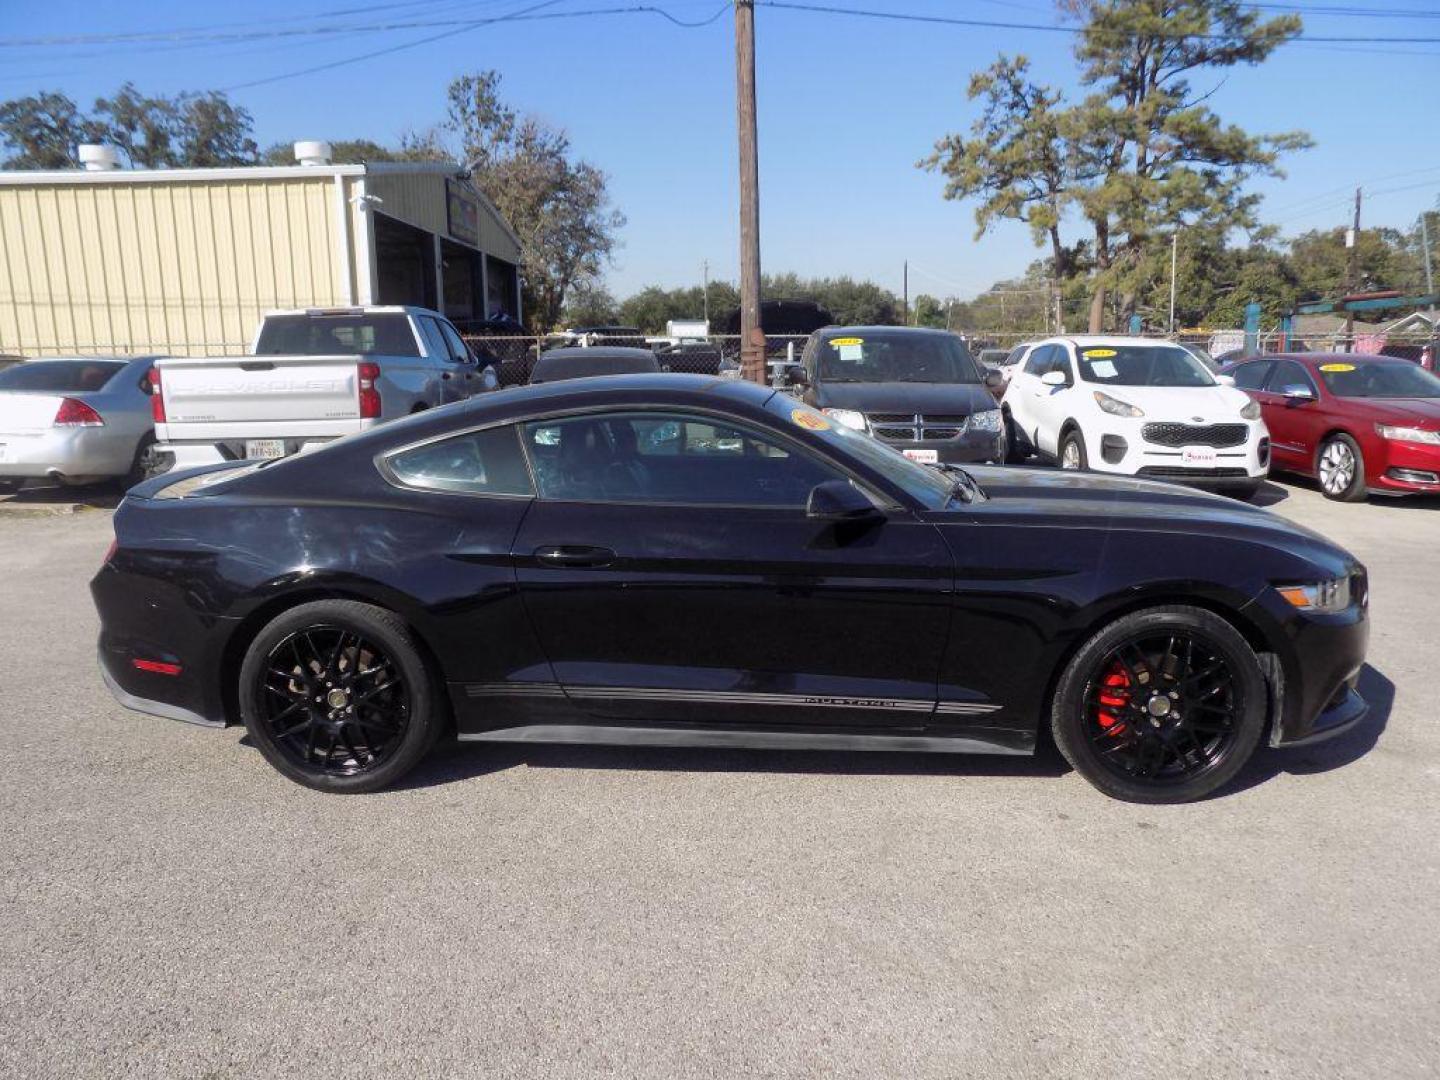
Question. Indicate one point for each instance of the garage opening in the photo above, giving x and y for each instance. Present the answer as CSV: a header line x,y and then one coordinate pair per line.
x,y
404,263
460,271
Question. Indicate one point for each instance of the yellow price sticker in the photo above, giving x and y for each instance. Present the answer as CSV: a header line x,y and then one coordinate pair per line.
x,y
839,341
1337,367
810,421
1098,354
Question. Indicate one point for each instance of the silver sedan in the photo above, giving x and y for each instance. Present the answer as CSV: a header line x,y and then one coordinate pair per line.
x,y
77,421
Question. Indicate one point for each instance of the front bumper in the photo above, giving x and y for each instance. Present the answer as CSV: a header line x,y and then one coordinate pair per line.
x,y
1405,469
1123,449
968,448
68,453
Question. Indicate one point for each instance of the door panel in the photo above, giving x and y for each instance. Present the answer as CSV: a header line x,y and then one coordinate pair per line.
x,y
1294,426
738,616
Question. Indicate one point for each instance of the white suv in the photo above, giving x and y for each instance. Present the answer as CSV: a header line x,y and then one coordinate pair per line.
x,y
1137,406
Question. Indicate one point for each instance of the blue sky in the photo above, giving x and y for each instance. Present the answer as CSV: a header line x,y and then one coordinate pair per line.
x,y
847,106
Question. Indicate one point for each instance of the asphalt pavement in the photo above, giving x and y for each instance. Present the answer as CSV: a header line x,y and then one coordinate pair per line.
x,y
172,907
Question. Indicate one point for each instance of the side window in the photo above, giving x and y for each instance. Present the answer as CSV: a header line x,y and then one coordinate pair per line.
x,y
453,344
1060,361
430,333
1039,361
1014,357
668,458
485,462
1288,373
1252,376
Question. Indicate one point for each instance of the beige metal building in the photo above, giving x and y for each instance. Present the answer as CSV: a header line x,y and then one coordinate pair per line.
x,y
184,261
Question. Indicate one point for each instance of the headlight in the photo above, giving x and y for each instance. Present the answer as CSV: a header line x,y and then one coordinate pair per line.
x,y
1251,411
849,417
1408,434
987,420
1116,407
1322,596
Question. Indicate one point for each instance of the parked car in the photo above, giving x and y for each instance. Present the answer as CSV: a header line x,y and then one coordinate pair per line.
x,y
312,376
1203,355
1136,406
674,559
989,359
917,390
1356,423
1011,364
580,363
76,420
622,337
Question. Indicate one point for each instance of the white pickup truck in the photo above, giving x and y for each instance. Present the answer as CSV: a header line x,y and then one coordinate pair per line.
x,y
311,376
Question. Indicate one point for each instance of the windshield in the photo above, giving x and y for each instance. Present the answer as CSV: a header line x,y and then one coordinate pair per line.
x,y
928,486
60,376
1375,379
895,356
1141,365
381,334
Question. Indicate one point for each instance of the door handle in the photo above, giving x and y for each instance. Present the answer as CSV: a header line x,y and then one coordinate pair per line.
x,y
573,555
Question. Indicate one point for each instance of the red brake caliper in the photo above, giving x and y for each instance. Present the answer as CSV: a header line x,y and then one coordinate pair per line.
x,y
1114,699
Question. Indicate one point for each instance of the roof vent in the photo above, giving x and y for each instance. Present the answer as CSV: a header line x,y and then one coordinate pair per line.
x,y
312,152
95,157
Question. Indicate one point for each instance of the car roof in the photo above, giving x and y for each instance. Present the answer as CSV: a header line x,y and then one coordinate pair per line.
x,y
1335,358
840,331
1107,339
597,352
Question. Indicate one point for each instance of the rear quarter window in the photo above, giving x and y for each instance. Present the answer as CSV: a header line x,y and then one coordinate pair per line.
x,y
381,334
488,462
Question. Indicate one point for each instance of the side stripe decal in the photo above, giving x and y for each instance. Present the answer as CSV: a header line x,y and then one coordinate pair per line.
x,y
730,697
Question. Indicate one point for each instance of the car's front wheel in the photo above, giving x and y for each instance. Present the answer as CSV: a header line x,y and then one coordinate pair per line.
x,y
1340,467
1072,452
337,696
1162,706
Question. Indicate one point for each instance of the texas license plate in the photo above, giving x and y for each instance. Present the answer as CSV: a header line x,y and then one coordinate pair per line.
x,y
924,457
1199,456
264,448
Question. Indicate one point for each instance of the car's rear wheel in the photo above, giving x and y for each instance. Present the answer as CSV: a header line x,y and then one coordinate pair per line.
x,y
1162,706
148,462
1340,468
1072,452
337,696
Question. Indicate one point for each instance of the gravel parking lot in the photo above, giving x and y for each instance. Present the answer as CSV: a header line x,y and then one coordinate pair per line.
x,y
170,906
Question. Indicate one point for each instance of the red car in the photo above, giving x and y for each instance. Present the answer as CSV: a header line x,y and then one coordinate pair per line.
x,y
1357,423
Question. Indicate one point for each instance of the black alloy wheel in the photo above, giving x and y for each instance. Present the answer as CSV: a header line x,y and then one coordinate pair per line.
x,y
1164,705
337,697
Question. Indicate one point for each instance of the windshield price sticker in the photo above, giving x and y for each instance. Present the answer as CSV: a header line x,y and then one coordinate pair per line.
x,y
1097,354
841,342
1337,367
808,420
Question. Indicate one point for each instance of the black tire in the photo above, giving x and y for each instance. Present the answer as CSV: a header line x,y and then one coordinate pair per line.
x,y
1073,438
300,664
147,463
1210,721
1340,468
1015,448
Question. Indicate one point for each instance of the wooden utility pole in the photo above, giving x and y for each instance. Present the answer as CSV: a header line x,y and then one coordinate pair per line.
x,y
1352,244
752,336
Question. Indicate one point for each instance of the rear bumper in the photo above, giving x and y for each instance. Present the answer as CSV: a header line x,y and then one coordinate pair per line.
x,y
150,705
61,453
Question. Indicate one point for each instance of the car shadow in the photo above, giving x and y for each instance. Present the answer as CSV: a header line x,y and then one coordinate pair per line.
x,y
1269,494
453,762
1336,753
94,496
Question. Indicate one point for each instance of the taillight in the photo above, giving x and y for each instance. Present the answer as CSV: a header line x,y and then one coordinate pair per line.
x,y
157,400
75,413
369,375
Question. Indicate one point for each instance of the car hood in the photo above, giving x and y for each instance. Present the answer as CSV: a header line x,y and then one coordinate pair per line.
x,y
1415,412
905,397
1182,404
1096,500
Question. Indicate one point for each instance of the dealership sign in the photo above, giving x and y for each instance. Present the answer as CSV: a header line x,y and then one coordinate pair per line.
x,y
462,212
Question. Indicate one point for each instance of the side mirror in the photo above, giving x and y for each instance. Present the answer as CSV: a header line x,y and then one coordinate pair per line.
x,y
1054,378
795,375
1297,394
1225,380
994,380
840,500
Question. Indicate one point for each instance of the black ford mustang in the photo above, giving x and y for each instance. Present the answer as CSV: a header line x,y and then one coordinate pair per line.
x,y
670,559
